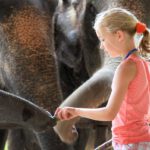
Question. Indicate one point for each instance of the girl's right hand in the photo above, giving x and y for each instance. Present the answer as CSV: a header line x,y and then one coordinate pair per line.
x,y
66,113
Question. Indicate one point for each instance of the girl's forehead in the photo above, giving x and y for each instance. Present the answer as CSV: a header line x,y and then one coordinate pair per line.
x,y
98,33
102,32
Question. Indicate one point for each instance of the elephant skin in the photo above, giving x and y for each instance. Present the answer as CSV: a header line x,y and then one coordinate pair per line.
x,y
16,112
77,49
78,55
74,65
97,89
27,66
94,92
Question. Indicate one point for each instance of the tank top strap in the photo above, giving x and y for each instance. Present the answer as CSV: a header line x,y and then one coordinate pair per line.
x,y
133,58
140,61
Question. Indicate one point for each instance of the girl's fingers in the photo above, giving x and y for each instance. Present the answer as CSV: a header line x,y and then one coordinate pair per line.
x,y
65,113
57,110
68,114
59,114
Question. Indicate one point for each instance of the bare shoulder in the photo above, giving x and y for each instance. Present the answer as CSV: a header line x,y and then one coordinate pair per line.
x,y
127,70
128,65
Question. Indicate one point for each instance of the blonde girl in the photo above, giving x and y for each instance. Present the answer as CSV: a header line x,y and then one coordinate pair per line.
x,y
128,104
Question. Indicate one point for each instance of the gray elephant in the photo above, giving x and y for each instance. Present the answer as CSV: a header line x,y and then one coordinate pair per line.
x,y
16,112
77,53
77,49
28,67
75,66
19,113
95,91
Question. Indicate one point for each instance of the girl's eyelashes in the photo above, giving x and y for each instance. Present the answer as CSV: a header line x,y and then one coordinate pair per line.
x,y
102,40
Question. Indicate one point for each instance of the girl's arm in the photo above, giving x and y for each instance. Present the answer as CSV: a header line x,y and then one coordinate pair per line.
x,y
125,73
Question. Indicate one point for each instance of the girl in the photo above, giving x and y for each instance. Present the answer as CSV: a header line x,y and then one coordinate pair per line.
x,y
128,103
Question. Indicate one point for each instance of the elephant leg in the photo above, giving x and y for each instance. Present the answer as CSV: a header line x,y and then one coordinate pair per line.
x,y
31,141
16,140
22,139
83,141
3,137
92,93
103,134
50,141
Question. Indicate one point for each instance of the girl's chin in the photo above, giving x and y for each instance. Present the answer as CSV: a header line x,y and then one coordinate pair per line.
x,y
114,55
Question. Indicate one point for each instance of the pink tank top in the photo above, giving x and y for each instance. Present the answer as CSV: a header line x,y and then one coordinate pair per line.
x,y
130,125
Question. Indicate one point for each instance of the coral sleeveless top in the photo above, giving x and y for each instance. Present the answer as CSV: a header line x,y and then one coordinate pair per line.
x,y
131,124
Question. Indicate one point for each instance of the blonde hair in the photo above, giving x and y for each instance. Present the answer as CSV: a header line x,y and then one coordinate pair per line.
x,y
121,19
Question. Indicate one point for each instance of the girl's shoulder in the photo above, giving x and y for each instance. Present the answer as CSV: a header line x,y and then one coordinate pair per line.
x,y
128,65
126,71
136,65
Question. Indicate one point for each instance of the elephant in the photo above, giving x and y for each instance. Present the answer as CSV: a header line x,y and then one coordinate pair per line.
x,y
29,69
74,66
95,91
16,112
78,56
77,61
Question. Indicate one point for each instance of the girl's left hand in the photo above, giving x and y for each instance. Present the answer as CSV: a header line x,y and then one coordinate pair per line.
x,y
66,113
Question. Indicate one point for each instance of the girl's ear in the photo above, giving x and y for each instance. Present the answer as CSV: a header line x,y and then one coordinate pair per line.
x,y
120,35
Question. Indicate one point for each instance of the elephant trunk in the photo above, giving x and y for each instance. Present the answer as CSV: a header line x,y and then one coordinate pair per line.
x,y
16,112
92,93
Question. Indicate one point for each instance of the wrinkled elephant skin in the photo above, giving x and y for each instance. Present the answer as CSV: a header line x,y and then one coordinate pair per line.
x,y
28,67
16,112
92,93
84,96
